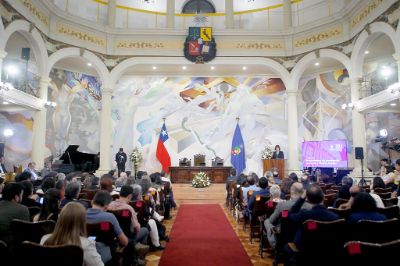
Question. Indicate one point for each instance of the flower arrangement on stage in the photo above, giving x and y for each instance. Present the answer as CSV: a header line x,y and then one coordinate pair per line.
x,y
267,153
201,180
135,157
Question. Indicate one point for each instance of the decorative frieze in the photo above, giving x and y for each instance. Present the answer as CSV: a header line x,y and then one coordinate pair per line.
x,y
318,37
35,11
69,31
260,45
138,45
365,12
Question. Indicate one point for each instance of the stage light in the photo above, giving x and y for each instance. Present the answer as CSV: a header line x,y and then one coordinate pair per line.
x,y
154,67
383,133
366,52
89,64
184,68
12,70
316,64
8,132
344,106
212,67
5,103
244,67
386,72
393,104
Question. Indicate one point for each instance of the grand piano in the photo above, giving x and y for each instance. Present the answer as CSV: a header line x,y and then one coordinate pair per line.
x,y
73,160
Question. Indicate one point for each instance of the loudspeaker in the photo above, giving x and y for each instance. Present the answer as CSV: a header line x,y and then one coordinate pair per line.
x,y
1,149
25,53
359,153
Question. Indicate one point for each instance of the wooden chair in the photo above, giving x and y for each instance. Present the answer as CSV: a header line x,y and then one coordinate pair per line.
x,y
375,231
336,187
386,195
283,237
257,216
383,190
390,202
371,254
29,253
331,191
329,199
342,213
230,193
33,211
140,208
89,193
390,212
30,231
340,201
331,234
82,195
104,232
124,218
88,202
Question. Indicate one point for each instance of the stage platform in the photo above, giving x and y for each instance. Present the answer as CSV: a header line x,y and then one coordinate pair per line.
x,y
185,193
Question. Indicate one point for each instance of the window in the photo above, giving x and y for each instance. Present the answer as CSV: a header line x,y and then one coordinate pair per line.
x,y
198,7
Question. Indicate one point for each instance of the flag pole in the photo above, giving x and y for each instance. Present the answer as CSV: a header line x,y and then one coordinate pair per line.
x,y
237,119
163,119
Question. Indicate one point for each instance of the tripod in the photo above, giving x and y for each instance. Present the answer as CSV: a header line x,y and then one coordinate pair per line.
x,y
362,181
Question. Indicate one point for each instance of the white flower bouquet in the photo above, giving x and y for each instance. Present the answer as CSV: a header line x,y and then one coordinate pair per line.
x,y
267,153
201,180
136,156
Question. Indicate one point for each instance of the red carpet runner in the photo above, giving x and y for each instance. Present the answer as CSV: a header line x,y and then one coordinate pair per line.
x,y
202,235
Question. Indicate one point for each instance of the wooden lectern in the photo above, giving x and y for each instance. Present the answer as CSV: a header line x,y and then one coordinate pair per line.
x,y
279,164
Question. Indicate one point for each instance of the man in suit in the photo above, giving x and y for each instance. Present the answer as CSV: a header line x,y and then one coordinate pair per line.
x,y
278,154
264,191
121,159
31,169
2,167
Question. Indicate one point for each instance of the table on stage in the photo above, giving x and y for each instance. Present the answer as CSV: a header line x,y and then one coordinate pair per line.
x,y
185,174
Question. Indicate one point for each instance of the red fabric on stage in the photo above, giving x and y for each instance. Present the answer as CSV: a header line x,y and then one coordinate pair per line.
x,y
202,235
163,156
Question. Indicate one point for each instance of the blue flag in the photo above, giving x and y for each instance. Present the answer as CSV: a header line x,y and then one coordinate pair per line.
x,y
238,156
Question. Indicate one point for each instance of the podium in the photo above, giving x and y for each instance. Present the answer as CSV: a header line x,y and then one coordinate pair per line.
x,y
279,164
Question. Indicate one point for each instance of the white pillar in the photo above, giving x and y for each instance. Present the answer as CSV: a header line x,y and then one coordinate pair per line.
x,y
287,14
3,54
293,137
171,14
105,133
358,128
397,58
112,8
39,126
229,22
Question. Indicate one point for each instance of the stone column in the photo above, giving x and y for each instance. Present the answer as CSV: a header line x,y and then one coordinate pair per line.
x,y
358,128
229,21
105,131
171,14
39,126
287,14
293,138
397,58
3,54
112,9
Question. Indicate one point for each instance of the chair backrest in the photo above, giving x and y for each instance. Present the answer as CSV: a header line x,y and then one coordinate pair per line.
x,y
287,231
336,187
369,254
390,202
104,232
271,205
30,231
329,199
140,208
124,218
33,211
383,190
89,193
385,195
330,233
29,253
260,207
390,212
331,191
249,194
199,159
231,187
340,201
342,213
375,231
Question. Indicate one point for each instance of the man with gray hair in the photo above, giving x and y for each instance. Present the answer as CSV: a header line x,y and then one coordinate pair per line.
x,y
137,192
296,191
72,194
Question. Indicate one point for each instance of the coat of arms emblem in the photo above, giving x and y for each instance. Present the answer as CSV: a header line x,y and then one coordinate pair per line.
x,y
200,45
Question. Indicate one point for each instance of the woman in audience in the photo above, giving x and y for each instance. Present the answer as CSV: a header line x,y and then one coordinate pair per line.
x,y
47,184
106,183
60,185
50,206
71,230
28,198
87,182
377,182
145,183
364,208
275,192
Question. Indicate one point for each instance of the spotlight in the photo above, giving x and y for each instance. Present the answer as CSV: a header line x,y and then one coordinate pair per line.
x,y
184,68
212,67
383,133
344,106
5,103
316,64
244,67
366,52
8,132
154,67
12,70
386,72
89,64
393,104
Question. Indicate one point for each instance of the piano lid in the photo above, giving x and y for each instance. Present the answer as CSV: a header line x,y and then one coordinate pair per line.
x,y
72,155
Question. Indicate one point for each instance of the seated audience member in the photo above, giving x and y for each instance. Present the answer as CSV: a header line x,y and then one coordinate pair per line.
x,y
305,180
364,208
139,234
1,184
87,182
344,190
270,178
98,214
294,177
296,190
285,186
46,169
232,177
10,208
47,184
106,183
113,174
71,230
72,194
72,177
50,206
121,180
95,183
327,179
315,196
23,176
354,190
31,169
276,176
377,182
255,176
145,183
382,170
264,191
252,186
275,191
60,185
141,174
155,179
28,198
60,176
168,187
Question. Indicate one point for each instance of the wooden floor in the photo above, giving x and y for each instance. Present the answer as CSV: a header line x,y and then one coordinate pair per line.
x,y
215,194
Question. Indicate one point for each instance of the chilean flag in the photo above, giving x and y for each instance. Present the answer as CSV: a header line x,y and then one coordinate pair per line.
x,y
162,153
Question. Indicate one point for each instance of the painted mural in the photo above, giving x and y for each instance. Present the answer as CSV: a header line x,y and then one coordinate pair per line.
x,y
319,109
200,116
76,118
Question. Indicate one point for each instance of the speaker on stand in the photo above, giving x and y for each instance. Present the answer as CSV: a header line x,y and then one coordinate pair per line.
x,y
359,152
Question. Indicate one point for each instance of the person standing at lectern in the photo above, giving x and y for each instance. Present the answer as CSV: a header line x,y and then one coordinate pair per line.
x,y
121,159
278,154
